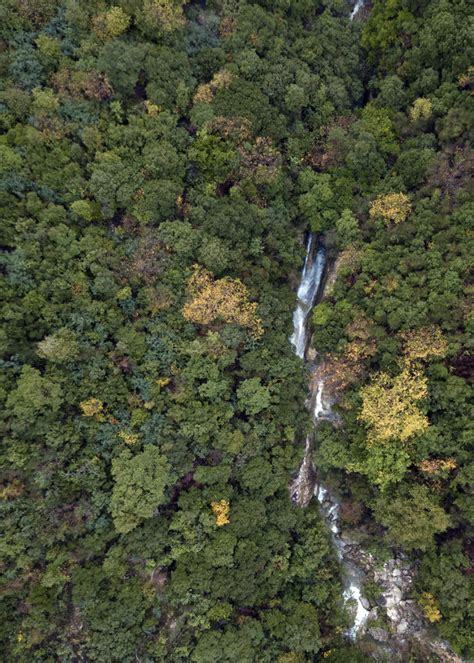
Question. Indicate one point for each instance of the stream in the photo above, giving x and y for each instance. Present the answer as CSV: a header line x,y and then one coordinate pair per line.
x,y
404,622
401,618
305,486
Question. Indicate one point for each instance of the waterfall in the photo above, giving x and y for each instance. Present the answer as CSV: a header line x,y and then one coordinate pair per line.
x,y
395,576
353,576
308,289
303,488
356,8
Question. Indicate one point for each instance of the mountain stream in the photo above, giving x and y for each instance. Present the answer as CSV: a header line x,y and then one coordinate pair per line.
x,y
403,618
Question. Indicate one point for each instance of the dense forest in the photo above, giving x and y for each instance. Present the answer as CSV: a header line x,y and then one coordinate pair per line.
x,y
161,163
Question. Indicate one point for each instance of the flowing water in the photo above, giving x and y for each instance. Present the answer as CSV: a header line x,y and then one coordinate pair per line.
x,y
311,279
395,576
306,485
356,8
309,289
303,487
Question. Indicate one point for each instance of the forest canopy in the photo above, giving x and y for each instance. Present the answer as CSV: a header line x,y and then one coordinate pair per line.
x,y
160,165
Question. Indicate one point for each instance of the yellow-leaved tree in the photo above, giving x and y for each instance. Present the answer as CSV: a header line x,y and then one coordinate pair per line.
x,y
92,407
111,24
421,109
393,207
221,512
207,91
423,343
222,299
430,607
389,406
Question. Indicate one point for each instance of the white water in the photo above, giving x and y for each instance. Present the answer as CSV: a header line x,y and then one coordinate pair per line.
x,y
319,409
311,278
358,6
310,281
352,575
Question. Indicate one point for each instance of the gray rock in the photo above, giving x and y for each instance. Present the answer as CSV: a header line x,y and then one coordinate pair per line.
x,y
402,626
395,595
379,634
399,583
310,354
345,537
365,602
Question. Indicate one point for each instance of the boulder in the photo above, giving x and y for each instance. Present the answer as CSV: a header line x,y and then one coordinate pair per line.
x,y
311,354
346,537
394,596
365,603
379,634
402,626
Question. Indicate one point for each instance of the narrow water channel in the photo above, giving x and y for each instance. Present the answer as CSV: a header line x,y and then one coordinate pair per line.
x,y
395,576
309,293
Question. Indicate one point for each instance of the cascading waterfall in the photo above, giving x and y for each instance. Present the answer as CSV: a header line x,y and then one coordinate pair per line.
x,y
353,577
310,282
309,288
303,487
394,577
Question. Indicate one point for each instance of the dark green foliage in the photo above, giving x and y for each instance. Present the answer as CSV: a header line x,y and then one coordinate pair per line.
x,y
122,421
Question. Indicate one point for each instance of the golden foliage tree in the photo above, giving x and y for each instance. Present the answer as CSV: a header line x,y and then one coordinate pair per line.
x,y
223,299
393,207
207,91
127,437
423,343
93,407
221,512
430,607
389,406
111,24
421,109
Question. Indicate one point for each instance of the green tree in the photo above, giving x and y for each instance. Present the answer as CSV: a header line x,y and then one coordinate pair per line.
x,y
318,204
33,396
253,397
139,486
347,229
412,518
